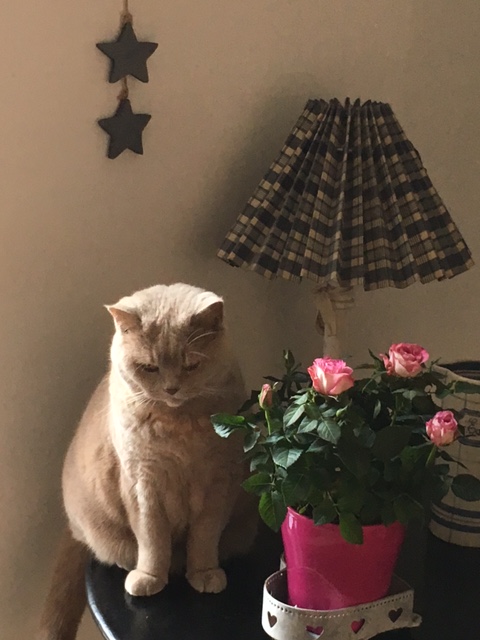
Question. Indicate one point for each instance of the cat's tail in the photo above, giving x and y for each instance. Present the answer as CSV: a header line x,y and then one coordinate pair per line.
x,y
66,599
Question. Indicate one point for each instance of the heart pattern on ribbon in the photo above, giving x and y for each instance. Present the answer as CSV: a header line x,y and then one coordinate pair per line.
x,y
394,614
357,625
315,632
272,620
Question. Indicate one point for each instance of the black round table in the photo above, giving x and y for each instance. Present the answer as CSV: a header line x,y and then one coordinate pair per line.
x,y
446,579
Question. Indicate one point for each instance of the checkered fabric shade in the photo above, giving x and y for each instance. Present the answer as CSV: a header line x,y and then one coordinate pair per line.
x,y
347,202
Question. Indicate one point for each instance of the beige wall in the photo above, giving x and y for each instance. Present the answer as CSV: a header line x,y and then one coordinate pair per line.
x,y
78,230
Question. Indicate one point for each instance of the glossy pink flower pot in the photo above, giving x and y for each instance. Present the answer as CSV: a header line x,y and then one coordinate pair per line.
x,y
326,572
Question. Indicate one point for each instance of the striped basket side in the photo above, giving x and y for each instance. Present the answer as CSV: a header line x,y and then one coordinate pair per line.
x,y
453,519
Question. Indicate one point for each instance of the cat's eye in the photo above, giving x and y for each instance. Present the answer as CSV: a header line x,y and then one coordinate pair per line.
x,y
191,367
149,368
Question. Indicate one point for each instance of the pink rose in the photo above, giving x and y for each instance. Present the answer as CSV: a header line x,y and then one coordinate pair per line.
x,y
404,359
265,398
330,377
442,428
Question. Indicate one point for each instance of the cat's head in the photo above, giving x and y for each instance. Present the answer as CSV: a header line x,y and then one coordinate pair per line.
x,y
168,342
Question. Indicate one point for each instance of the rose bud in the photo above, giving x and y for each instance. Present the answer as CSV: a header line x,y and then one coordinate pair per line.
x,y
442,428
265,398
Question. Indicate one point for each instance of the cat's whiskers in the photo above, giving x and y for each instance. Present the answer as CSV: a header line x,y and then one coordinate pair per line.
x,y
191,340
199,353
138,399
210,391
136,394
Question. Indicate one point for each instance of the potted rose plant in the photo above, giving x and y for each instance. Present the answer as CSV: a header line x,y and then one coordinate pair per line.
x,y
349,461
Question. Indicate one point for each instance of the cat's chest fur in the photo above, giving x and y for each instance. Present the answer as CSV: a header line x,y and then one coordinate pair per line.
x,y
178,457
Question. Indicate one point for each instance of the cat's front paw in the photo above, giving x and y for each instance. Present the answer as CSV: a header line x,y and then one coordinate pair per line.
x,y
139,583
208,580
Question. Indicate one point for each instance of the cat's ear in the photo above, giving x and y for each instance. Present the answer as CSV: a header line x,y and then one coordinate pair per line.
x,y
124,320
210,318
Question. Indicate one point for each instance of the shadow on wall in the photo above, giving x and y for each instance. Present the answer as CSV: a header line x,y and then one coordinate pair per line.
x,y
279,312
258,141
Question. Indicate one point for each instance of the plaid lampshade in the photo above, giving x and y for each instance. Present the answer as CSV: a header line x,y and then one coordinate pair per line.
x,y
347,202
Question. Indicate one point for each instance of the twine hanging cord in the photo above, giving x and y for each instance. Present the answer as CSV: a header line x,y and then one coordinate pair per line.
x,y
123,95
126,16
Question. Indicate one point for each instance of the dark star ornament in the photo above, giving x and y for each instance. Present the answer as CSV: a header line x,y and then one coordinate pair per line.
x,y
128,55
125,129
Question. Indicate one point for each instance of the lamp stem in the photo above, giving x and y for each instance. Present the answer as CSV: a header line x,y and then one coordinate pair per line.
x,y
329,302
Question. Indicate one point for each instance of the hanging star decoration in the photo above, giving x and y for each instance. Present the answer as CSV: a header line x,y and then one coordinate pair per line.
x,y
128,56
125,129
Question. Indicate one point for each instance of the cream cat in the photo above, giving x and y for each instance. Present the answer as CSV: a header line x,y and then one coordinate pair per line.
x,y
147,483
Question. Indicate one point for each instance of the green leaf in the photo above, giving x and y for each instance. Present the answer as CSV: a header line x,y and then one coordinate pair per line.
x,y
414,456
365,436
261,461
390,441
436,488
392,470
354,457
307,425
329,430
371,510
284,455
324,512
317,446
466,487
320,480
292,414
442,469
377,409
350,528
248,404
303,439
301,377
406,509
410,394
288,359
373,476
225,424
375,358
313,411
296,486
276,424
352,499
274,438
272,509
329,412
388,514
301,397
251,440
417,452
258,483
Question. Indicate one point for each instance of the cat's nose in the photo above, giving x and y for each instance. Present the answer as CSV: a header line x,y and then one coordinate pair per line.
x,y
171,390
